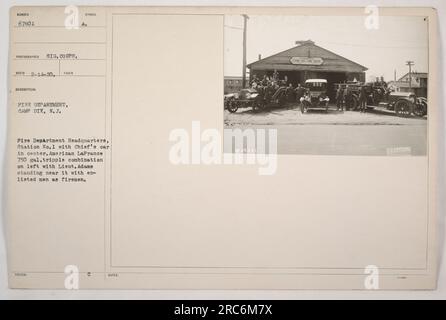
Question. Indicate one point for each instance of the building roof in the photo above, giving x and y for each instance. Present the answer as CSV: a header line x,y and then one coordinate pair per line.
x,y
424,75
307,56
403,84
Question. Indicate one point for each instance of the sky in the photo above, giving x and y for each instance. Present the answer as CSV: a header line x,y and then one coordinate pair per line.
x,y
382,51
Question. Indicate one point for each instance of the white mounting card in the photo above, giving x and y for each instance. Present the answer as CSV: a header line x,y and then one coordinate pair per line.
x,y
222,148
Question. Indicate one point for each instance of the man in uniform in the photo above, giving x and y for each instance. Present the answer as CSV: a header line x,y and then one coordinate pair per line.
x,y
363,99
275,76
264,81
269,91
340,98
290,93
347,97
254,81
299,92
261,90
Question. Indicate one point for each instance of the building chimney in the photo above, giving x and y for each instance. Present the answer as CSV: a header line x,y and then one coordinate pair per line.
x,y
260,56
301,42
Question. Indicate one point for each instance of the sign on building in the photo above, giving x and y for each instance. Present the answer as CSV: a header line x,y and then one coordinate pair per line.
x,y
307,61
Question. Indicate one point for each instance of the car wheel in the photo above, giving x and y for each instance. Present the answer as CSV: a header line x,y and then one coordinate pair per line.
x,y
419,109
402,108
257,106
232,106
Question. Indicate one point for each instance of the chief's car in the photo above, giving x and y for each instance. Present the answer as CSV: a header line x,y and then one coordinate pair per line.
x,y
245,98
405,104
315,96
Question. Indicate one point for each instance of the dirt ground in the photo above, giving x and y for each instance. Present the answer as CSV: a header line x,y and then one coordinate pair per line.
x,y
374,133
292,115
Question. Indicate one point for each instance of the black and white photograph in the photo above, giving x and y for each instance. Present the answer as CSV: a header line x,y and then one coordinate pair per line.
x,y
329,85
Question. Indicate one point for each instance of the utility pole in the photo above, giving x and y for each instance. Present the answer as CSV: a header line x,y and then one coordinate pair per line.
x,y
410,64
245,25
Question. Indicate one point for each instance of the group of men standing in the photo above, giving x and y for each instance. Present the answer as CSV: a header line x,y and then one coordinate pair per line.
x,y
344,98
268,86
294,94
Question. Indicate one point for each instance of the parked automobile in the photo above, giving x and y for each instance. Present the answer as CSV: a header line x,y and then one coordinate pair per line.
x,y
257,99
405,104
315,96
245,98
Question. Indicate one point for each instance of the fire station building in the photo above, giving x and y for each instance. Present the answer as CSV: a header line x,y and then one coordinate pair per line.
x,y
308,61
